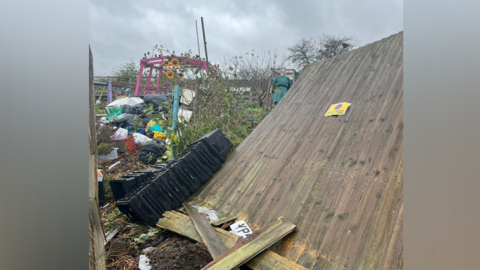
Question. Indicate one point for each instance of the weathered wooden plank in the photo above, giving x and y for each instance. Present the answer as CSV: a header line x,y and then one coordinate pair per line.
x,y
181,224
253,245
207,233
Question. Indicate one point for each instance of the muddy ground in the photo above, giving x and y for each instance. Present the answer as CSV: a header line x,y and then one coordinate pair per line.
x,y
180,254
173,252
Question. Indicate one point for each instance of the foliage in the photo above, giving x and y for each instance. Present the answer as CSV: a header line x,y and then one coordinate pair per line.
x,y
100,111
146,236
254,111
110,220
318,48
103,149
252,105
217,108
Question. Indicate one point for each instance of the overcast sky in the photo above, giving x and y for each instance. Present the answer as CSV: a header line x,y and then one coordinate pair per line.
x,y
125,30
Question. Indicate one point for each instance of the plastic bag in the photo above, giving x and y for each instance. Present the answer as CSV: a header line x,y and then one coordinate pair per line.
x,y
120,134
103,120
151,151
139,108
146,120
129,109
131,120
155,99
113,112
154,126
140,139
149,134
159,135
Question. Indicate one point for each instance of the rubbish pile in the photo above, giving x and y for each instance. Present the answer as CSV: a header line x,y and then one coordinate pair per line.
x,y
127,128
129,114
144,196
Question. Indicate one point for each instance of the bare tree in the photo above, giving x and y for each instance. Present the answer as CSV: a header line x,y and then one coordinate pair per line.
x,y
318,48
252,71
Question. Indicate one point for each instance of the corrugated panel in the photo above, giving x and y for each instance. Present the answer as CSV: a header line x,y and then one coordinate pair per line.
x,y
338,179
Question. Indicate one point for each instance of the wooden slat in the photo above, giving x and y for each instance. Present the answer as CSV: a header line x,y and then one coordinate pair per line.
x,y
181,224
253,245
207,233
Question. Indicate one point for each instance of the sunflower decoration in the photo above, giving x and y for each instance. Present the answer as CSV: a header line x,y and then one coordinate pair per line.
x,y
180,75
175,62
169,74
166,62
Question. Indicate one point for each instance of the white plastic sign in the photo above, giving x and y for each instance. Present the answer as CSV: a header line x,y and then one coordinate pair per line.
x,y
241,229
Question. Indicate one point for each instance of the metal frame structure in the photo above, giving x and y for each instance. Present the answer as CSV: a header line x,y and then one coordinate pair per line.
x,y
157,63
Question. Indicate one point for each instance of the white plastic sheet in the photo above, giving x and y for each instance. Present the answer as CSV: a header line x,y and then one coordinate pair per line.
x,y
132,101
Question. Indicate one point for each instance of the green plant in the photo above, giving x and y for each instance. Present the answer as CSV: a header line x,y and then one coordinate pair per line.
x,y
146,236
111,218
103,149
100,111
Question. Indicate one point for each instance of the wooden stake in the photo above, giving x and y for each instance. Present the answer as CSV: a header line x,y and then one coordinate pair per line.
x,y
206,232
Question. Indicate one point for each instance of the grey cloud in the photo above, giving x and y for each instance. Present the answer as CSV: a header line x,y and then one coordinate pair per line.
x,y
124,30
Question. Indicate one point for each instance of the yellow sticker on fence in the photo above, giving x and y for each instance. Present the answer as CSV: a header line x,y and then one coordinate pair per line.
x,y
338,109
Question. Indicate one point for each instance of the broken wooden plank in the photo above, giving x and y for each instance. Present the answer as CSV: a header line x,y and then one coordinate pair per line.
x,y
227,224
248,248
222,220
207,233
181,224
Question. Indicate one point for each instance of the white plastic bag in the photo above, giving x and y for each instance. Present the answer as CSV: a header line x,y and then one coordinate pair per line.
x,y
120,134
140,139
144,263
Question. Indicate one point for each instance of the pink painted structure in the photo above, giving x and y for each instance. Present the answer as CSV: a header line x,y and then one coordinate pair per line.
x,y
157,63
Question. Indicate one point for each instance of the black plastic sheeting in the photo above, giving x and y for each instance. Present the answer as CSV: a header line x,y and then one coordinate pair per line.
x,y
151,151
